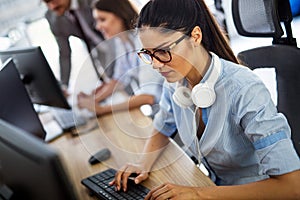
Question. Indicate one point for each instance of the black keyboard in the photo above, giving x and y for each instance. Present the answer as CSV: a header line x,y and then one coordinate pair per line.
x,y
66,119
99,186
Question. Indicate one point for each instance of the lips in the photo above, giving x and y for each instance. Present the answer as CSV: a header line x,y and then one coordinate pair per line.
x,y
165,73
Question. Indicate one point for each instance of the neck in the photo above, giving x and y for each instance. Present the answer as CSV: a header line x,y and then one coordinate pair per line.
x,y
199,69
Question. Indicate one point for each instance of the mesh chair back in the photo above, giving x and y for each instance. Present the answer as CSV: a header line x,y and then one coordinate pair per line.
x,y
262,18
257,18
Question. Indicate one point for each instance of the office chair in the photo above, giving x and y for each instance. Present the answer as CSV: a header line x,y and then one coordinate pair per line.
x,y
263,18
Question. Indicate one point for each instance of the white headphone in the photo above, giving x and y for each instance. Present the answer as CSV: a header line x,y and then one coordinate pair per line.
x,y
203,94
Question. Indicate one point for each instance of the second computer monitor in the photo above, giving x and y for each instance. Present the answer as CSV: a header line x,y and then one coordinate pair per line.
x,y
15,104
36,74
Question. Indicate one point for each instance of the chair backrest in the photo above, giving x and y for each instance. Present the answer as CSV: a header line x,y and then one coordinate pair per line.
x,y
282,55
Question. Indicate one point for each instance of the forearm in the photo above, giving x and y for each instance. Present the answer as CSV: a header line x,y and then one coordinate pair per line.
x,y
153,149
280,187
132,102
139,100
105,91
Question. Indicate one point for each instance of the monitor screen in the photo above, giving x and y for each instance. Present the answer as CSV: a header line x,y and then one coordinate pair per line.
x,y
15,104
36,74
30,169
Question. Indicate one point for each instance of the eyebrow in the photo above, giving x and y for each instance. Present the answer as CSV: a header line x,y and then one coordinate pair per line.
x,y
170,45
158,47
161,45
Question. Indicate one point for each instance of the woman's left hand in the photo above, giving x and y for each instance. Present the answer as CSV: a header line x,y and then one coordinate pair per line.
x,y
172,191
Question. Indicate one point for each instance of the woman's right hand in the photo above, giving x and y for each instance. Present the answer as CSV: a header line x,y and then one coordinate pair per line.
x,y
121,177
85,101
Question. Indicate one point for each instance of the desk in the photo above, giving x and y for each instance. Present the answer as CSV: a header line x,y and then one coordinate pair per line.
x,y
125,133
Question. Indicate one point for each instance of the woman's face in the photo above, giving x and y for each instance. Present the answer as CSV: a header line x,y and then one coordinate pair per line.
x,y
179,66
108,23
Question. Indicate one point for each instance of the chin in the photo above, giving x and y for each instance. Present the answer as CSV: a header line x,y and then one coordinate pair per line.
x,y
171,80
107,36
60,12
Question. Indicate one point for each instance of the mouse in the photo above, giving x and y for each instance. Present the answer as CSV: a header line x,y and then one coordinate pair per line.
x,y
100,156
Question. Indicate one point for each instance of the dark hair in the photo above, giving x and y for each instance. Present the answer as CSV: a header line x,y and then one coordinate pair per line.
x,y
184,15
121,8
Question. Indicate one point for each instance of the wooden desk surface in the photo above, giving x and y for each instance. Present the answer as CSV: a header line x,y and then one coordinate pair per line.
x,y
124,133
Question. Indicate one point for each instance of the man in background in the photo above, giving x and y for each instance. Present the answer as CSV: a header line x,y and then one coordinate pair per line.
x,y
220,15
73,18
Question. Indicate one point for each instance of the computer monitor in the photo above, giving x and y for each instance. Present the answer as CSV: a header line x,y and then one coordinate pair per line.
x,y
15,104
30,169
36,74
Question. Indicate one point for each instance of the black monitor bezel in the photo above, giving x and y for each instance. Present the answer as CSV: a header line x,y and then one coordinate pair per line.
x,y
40,82
30,169
15,104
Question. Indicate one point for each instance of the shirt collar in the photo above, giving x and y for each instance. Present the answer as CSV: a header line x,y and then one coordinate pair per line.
x,y
74,5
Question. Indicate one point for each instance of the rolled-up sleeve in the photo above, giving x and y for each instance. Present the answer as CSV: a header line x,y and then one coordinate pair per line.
x,y
267,129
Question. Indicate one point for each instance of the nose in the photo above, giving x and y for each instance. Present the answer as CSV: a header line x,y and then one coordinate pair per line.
x,y
98,26
156,64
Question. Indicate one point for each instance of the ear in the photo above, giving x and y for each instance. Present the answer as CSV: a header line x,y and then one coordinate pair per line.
x,y
196,35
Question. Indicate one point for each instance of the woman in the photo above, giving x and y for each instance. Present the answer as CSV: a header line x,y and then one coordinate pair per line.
x,y
114,19
229,123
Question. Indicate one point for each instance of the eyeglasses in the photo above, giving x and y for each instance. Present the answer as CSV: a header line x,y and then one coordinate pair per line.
x,y
162,55
46,1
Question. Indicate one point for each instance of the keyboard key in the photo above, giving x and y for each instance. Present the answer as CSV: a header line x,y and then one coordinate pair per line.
x,y
99,185
66,119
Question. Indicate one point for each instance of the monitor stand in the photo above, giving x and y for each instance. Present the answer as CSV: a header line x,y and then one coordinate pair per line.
x,y
52,128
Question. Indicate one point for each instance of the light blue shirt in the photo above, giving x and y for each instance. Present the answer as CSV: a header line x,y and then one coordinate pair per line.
x,y
245,138
126,58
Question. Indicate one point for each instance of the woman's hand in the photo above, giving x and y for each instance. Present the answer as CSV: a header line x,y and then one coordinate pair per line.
x,y
86,101
121,177
172,191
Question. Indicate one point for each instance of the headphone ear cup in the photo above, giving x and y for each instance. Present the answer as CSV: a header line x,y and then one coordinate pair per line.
x,y
182,97
203,96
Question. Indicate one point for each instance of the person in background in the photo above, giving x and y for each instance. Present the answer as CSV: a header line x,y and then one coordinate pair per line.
x,y
222,110
217,9
115,19
220,16
73,18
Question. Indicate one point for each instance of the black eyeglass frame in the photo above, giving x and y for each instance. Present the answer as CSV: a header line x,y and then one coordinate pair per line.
x,y
165,50
45,1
